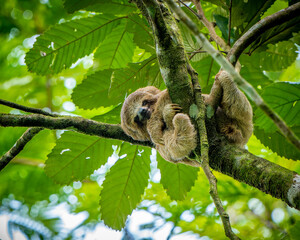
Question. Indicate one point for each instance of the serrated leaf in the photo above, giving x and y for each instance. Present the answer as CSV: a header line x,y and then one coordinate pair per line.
x,y
277,57
63,44
189,43
116,51
244,14
124,185
177,179
142,33
282,97
117,7
253,72
278,143
129,79
99,90
75,156
93,91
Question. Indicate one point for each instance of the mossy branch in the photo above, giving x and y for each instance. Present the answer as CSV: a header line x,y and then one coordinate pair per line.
x,y
241,82
79,124
225,158
170,51
200,120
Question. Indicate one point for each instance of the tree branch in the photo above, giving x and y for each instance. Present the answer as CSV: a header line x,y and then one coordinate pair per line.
x,y
200,119
210,27
241,82
260,27
26,109
79,124
225,158
18,147
169,50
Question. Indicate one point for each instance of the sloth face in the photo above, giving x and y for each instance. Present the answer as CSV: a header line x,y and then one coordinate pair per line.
x,y
144,112
137,110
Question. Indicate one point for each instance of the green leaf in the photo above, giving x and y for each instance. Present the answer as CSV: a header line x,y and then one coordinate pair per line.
x,y
26,182
253,72
244,14
75,156
294,231
143,38
277,57
276,34
99,90
278,143
8,137
116,51
189,42
129,79
63,44
112,116
124,185
93,91
282,97
177,179
222,23
116,7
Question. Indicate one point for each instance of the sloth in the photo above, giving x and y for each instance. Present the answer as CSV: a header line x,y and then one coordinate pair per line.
x,y
148,114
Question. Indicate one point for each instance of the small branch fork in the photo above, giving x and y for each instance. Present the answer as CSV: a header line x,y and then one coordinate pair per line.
x,y
200,120
210,26
260,27
19,145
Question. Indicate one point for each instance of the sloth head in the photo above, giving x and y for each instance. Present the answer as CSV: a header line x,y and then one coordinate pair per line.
x,y
136,110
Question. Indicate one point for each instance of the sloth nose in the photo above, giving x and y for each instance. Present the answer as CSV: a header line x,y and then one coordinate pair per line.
x,y
143,112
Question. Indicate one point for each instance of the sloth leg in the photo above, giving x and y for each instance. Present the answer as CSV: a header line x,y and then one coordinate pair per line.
x,y
235,116
182,140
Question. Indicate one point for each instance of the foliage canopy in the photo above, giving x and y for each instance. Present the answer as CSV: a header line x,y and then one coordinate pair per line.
x,y
101,52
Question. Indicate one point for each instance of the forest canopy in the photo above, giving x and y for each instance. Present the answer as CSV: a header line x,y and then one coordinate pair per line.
x,y
67,67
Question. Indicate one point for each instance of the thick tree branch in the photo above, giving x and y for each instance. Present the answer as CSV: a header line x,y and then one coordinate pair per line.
x,y
257,29
225,158
169,50
18,147
79,124
255,171
241,82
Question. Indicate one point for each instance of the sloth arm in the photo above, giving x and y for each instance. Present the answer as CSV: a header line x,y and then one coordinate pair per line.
x,y
156,123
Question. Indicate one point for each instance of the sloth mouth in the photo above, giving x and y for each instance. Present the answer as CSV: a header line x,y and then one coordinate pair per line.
x,y
142,116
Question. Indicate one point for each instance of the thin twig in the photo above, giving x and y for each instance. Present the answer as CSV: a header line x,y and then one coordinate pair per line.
x,y
204,155
229,23
19,145
260,27
209,26
241,82
26,109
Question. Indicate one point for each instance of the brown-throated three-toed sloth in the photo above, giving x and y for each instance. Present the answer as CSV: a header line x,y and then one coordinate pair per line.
x,y
149,114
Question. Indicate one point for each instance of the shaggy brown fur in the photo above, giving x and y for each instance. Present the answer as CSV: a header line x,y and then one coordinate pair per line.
x,y
149,114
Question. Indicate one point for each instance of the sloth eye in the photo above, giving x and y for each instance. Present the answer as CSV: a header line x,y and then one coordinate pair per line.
x,y
145,102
